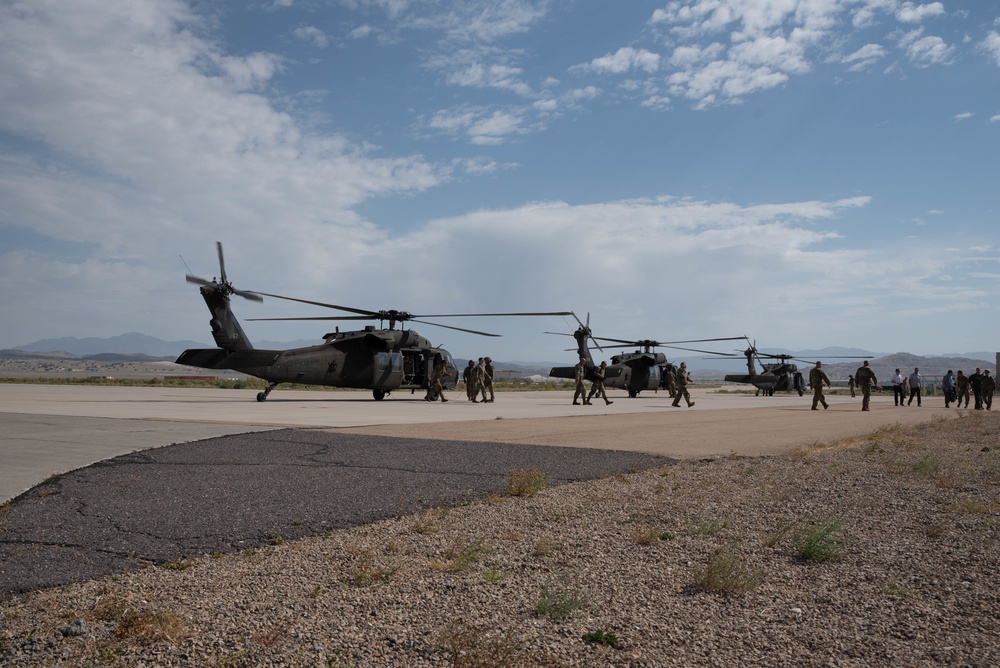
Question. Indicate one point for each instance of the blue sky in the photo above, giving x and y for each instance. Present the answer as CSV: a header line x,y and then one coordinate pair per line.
x,y
810,173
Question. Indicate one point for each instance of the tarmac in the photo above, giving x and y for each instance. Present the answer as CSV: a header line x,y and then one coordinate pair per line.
x,y
100,480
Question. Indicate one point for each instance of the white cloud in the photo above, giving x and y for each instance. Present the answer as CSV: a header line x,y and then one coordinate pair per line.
x,y
991,45
924,51
479,125
909,12
864,57
624,60
360,32
964,116
995,118
312,34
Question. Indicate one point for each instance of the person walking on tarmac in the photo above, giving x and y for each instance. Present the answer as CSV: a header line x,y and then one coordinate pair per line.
x,y
436,389
581,389
598,386
681,387
470,388
488,372
865,379
816,379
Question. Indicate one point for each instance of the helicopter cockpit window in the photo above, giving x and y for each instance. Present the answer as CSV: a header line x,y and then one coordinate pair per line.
x,y
389,362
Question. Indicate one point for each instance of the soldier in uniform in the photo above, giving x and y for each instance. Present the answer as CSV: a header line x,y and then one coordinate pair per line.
x,y
598,386
816,379
488,379
581,389
962,384
671,381
865,379
976,383
850,385
479,375
989,385
681,390
436,388
467,377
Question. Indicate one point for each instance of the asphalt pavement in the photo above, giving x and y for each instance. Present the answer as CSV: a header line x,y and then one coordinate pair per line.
x,y
103,480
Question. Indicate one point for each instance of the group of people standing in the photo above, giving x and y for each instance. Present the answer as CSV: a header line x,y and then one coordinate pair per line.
x,y
955,388
479,380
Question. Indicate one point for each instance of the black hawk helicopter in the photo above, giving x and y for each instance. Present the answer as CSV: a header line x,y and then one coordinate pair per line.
x,y
633,372
382,360
777,376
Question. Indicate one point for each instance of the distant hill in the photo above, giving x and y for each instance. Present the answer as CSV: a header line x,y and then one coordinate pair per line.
x,y
134,343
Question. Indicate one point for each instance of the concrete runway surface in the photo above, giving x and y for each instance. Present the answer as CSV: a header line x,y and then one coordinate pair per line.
x,y
238,473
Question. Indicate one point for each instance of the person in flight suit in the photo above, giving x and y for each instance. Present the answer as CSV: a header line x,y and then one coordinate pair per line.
x,y
581,389
681,387
467,377
816,379
488,372
598,386
865,379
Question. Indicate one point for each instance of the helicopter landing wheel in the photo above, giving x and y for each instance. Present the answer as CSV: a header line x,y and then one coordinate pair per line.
x,y
261,396
378,394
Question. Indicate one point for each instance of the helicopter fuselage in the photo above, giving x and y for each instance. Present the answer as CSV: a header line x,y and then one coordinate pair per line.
x,y
382,360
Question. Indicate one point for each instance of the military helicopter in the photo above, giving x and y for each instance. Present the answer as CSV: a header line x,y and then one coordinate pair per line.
x,y
633,372
780,375
382,360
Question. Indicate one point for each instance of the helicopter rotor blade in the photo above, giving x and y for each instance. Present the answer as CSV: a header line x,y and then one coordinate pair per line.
x,y
457,329
197,281
318,317
488,315
222,261
693,350
365,312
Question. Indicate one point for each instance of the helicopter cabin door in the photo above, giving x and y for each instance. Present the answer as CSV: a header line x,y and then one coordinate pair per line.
x,y
388,370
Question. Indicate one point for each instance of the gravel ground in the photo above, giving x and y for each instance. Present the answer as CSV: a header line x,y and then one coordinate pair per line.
x,y
879,550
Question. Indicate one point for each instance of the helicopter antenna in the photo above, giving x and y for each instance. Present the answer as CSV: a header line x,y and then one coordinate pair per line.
x,y
184,263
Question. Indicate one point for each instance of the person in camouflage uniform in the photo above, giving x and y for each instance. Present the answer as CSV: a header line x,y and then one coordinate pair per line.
x,y
962,385
976,383
989,385
598,386
488,372
865,380
581,389
479,373
816,379
681,387
436,389
467,377
671,382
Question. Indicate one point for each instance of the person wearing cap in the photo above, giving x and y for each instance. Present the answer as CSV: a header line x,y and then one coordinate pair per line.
x,y
961,389
598,386
479,373
989,384
816,379
488,379
681,386
865,379
581,389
